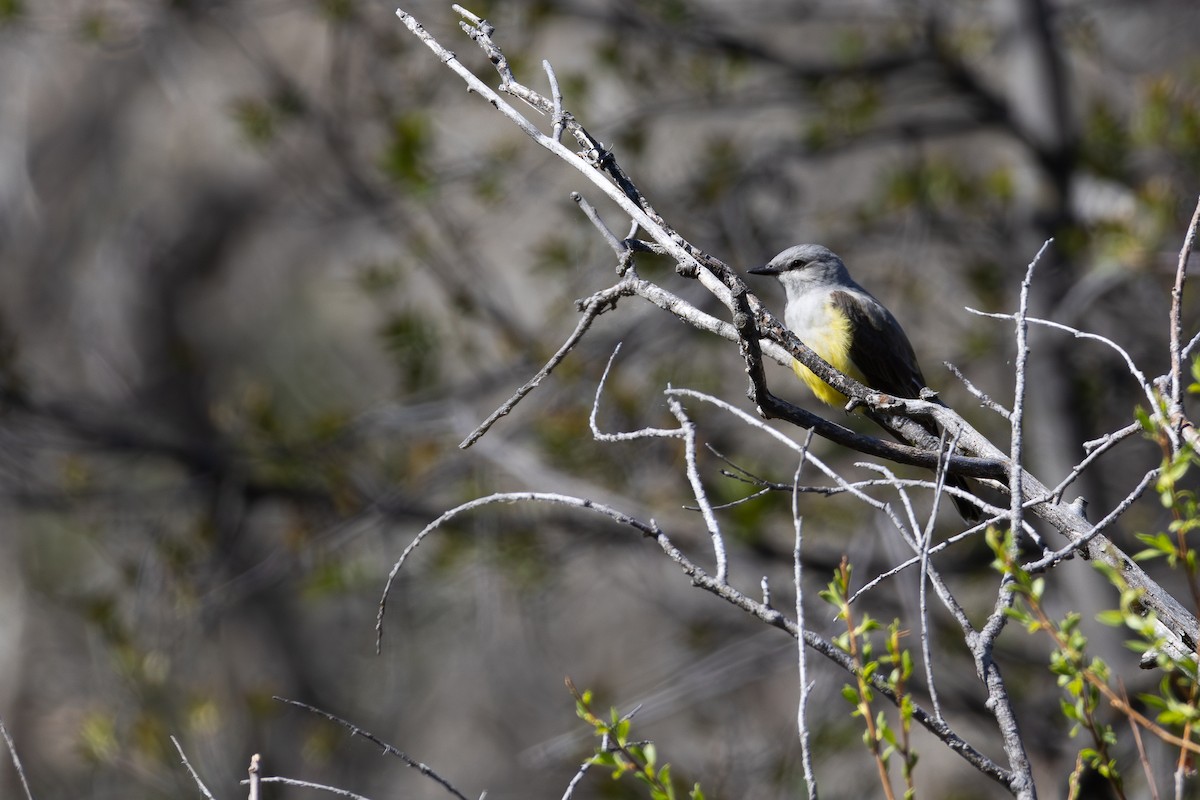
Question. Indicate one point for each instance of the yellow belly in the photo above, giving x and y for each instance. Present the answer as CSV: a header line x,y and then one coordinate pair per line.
x,y
832,343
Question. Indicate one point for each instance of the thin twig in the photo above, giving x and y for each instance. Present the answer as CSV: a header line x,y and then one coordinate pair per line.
x,y
625,436
693,474
977,393
913,541
878,683
982,646
589,164
507,498
810,778
469,16
583,768
596,305
203,789
1050,559
907,532
618,245
926,631
944,593
975,530
310,785
1145,385
12,752
382,745
1094,449
1189,241
559,119
1141,748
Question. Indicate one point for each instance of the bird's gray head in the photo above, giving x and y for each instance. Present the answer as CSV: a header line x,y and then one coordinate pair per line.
x,y
807,265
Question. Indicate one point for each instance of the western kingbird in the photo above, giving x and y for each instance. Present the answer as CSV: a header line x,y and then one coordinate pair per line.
x,y
847,327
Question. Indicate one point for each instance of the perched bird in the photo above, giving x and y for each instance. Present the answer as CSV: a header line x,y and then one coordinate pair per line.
x,y
846,326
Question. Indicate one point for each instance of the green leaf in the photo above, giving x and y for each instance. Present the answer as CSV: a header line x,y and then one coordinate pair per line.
x,y
10,10
405,154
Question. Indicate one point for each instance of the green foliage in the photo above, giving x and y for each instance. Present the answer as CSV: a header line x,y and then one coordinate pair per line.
x,y
1170,116
942,183
848,108
561,252
375,278
94,26
1087,682
1175,496
1107,146
1082,681
412,343
338,10
261,120
625,756
894,668
721,165
11,10
98,738
405,157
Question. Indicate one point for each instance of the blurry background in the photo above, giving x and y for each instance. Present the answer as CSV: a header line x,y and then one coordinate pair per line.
x,y
264,263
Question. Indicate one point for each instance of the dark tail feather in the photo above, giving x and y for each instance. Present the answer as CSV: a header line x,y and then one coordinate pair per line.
x,y
970,512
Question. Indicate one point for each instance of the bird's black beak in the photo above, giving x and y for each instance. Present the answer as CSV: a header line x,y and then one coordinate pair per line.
x,y
763,271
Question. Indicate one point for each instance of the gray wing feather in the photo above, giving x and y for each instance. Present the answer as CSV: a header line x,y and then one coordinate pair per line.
x,y
879,347
886,359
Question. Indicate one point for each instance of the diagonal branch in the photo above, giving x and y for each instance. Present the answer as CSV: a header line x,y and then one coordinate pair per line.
x,y
701,579
1177,352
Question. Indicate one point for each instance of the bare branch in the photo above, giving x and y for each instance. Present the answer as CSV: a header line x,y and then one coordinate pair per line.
x,y
978,393
773,617
596,305
810,778
255,778
388,750
1050,559
1094,449
619,247
925,575
583,768
559,118
1145,385
703,580
693,473
310,785
203,789
12,752
624,436
594,159
712,273
507,498
982,645
685,431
